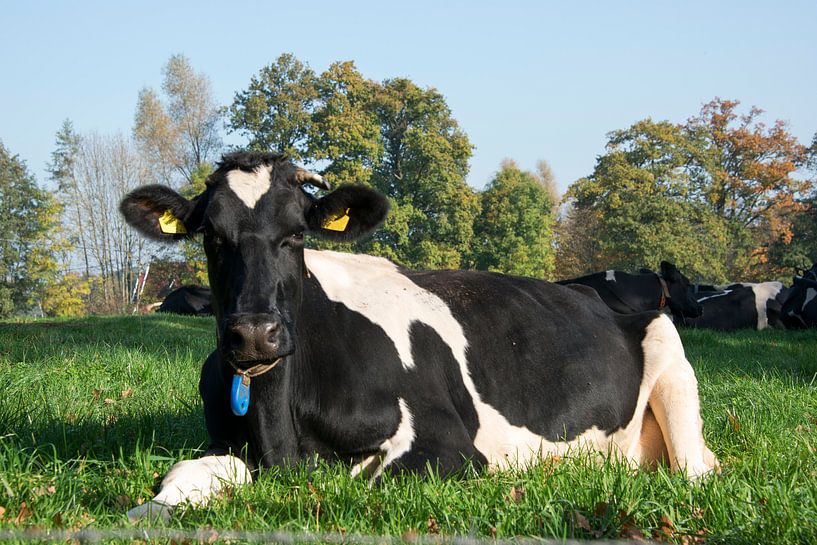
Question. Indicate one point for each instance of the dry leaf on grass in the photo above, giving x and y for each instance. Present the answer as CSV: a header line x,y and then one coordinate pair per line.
x,y
432,526
127,393
516,494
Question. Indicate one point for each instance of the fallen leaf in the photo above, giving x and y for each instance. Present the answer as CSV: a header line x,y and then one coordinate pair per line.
x,y
96,392
431,524
24,513
127,393
516,494
733,421
2,512
109,401
632,532
666,529
580,521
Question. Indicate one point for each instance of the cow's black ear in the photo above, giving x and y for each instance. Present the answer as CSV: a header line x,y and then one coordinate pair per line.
x,y
160,213
348,213
669,271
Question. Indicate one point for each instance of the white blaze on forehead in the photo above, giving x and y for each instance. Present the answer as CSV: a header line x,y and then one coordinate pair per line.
x,y
610,276
250,186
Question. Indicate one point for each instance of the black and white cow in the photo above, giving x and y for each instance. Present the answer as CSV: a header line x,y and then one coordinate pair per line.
x,y
799,310
628,293
353,358
743,305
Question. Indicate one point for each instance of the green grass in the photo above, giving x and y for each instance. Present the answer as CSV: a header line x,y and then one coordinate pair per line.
x,y
94,411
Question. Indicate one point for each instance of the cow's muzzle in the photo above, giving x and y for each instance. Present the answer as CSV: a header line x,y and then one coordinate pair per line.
x,y
254,338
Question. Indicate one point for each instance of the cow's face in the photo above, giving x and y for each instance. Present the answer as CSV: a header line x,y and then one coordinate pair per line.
x,y
681,298
253,217
800,307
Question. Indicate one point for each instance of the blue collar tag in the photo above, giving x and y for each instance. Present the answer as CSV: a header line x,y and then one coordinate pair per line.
x,y
240,394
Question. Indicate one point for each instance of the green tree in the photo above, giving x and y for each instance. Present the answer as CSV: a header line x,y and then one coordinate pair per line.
x,y
714,194
513,232
423,170
643,207
394,136
30,242
275,111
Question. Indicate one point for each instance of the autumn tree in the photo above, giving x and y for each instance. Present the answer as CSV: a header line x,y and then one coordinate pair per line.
x,y
181,131
711,194
512,232
745,171
30,240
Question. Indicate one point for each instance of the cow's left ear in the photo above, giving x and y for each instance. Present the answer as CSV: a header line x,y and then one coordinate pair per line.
x,y
160,213
670,272
348,213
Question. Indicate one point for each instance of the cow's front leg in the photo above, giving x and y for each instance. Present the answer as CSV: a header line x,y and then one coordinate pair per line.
x,y
193,482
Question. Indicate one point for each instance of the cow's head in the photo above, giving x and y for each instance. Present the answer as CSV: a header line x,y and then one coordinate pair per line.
x,y
799,310
681,297
253,216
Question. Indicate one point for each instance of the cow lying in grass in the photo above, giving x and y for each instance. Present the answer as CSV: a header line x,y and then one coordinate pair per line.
x,y
353,358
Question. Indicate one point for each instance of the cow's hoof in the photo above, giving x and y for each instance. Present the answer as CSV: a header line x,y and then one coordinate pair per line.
x,y
152,510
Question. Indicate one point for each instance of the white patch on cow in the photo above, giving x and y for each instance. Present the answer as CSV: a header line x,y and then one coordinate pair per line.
x,y
610,276
763,292
672,388
375,288
811,293
194,482
719,294
392,448
250,186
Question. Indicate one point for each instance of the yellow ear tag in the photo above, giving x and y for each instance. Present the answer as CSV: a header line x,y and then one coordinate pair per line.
x,y
170,224
338,223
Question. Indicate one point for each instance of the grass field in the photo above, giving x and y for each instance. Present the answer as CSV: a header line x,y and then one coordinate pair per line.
x,y
94,411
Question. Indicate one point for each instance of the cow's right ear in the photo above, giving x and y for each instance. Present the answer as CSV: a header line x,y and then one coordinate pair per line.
x,y
160,213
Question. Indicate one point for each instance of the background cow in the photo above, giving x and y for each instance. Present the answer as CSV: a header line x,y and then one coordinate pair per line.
x,y
799,311
629,293
740,306
353,358
191,300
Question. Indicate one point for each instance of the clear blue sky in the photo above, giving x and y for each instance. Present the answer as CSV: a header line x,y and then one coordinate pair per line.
x,y
526,80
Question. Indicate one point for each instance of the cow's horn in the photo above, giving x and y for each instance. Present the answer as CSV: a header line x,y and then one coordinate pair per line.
x,y
306,177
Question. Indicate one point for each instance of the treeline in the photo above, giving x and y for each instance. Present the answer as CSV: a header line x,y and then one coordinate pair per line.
x,y
722,195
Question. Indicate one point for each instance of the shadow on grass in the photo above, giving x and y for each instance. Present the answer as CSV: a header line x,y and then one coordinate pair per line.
x,y
120,438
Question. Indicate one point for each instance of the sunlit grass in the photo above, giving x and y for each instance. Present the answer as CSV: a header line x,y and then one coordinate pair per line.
x,y
93,412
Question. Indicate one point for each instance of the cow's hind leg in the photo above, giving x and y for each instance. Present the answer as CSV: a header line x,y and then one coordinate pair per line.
x,y
194,482
674,400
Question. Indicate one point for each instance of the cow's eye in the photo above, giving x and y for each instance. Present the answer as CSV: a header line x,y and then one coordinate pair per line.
x,y
294,241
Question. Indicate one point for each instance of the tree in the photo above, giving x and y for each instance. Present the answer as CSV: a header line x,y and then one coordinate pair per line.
x,y
63,172
275,112
640,195
422,171
393,135
106,168
182,132
744,171
512,233
712,195
30,240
